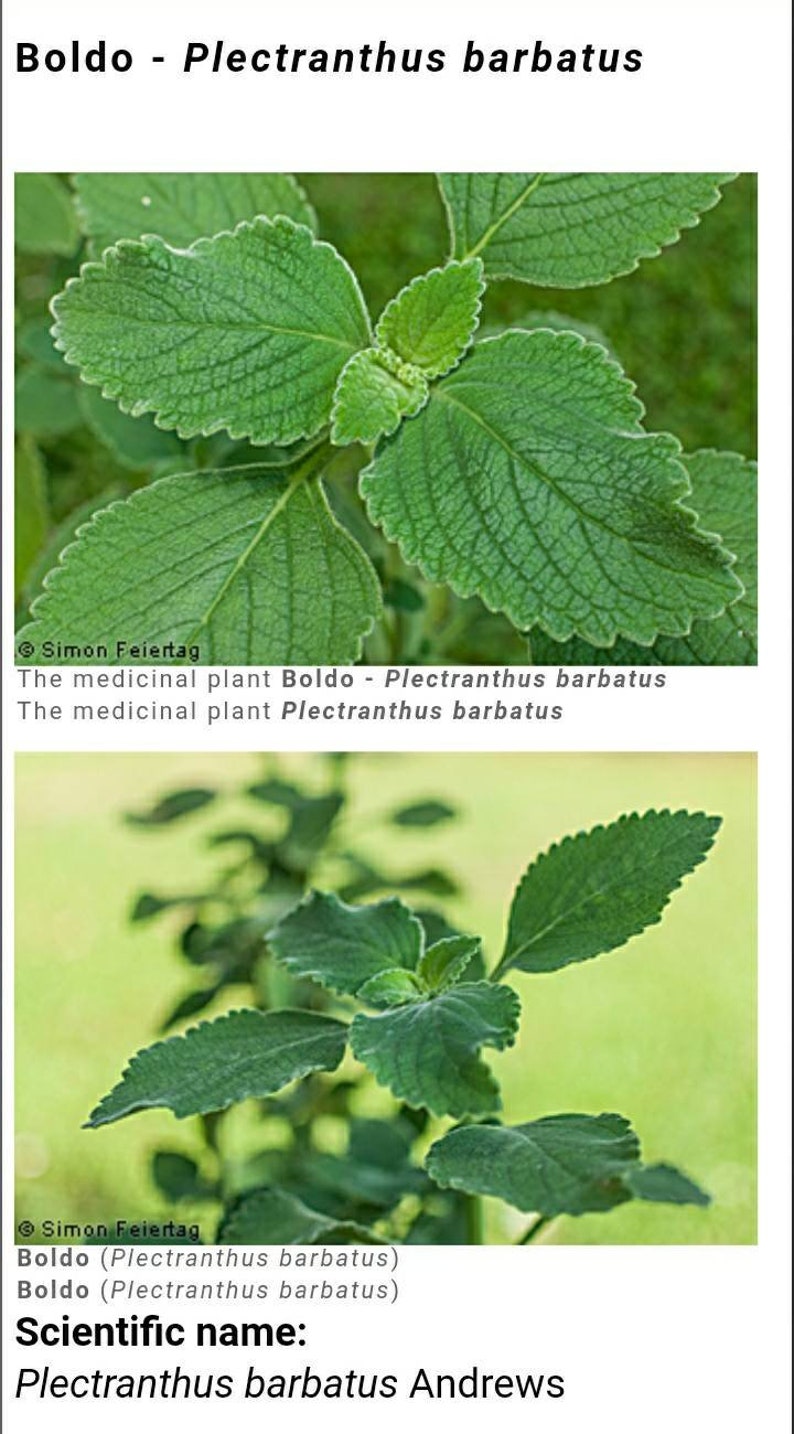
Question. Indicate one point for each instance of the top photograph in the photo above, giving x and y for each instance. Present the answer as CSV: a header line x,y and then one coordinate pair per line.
x,y
265,419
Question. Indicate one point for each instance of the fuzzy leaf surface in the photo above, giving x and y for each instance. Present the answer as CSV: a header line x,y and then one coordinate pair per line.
x,y
243,563
390,988
431,322
246,332
427,1052
274,1217
725,496
445,961
571,230
560,1165
591,892
181,208
344,946
373,394
529,480
215,1064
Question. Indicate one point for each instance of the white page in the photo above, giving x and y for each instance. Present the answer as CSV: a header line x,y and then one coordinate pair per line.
x,y
630,1332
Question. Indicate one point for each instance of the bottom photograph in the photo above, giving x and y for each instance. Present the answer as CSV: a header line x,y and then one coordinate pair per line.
x,y
391,999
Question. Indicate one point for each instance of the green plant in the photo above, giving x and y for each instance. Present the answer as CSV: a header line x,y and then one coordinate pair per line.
x,y
464,493
385,992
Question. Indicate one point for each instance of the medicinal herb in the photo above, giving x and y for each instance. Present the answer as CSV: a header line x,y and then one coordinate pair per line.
x,y
381,992
330,472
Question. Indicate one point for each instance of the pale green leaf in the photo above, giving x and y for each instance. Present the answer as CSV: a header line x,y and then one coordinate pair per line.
x,y
246,332
217,1063
591,892
443,963
343,946
374,392
182,207
529,480
432,321
244,564
44,218
390,988
724,494
31,508
427,1052
274,1217
560,1165
570,230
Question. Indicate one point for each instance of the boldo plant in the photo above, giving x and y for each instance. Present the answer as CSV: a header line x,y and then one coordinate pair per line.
x,y
329,472
410,1004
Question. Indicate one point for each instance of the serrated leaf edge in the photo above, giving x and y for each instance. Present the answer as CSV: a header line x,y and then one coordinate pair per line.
x,y
625,819
678,491
289,962
93,1123
691,223
421,279
148,405
96,254
89,531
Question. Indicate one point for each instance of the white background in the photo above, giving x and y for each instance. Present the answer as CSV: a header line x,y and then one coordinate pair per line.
x,y
644,1337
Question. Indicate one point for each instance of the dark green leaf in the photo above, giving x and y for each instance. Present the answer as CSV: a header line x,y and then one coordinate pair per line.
x,y
273,1217
427,1052
173,806
390,988
220,1062
445,962
343,946
591,892
31,509
665,1185
179,1177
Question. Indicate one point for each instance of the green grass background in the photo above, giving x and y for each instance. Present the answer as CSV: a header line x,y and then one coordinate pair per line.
x,y
662,1030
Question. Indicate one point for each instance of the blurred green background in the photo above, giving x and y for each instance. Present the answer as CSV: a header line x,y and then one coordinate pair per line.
x,y
662,1030
683,325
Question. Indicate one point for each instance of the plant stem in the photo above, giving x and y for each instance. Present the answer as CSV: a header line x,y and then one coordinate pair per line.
x,y
534,1230
473,1220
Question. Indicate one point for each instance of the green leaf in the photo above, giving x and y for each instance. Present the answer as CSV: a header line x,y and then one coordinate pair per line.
x,y
343,946
182,207
431,322
244,564
591,892
179,1178
390,988
220,1062
311,821
135,442
529,480
427,1052
44,220
560,1165
45,403
273,1217
31,509
665,1185
423,814
173,806
570,230
246,332
445,961
374,392
724,493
